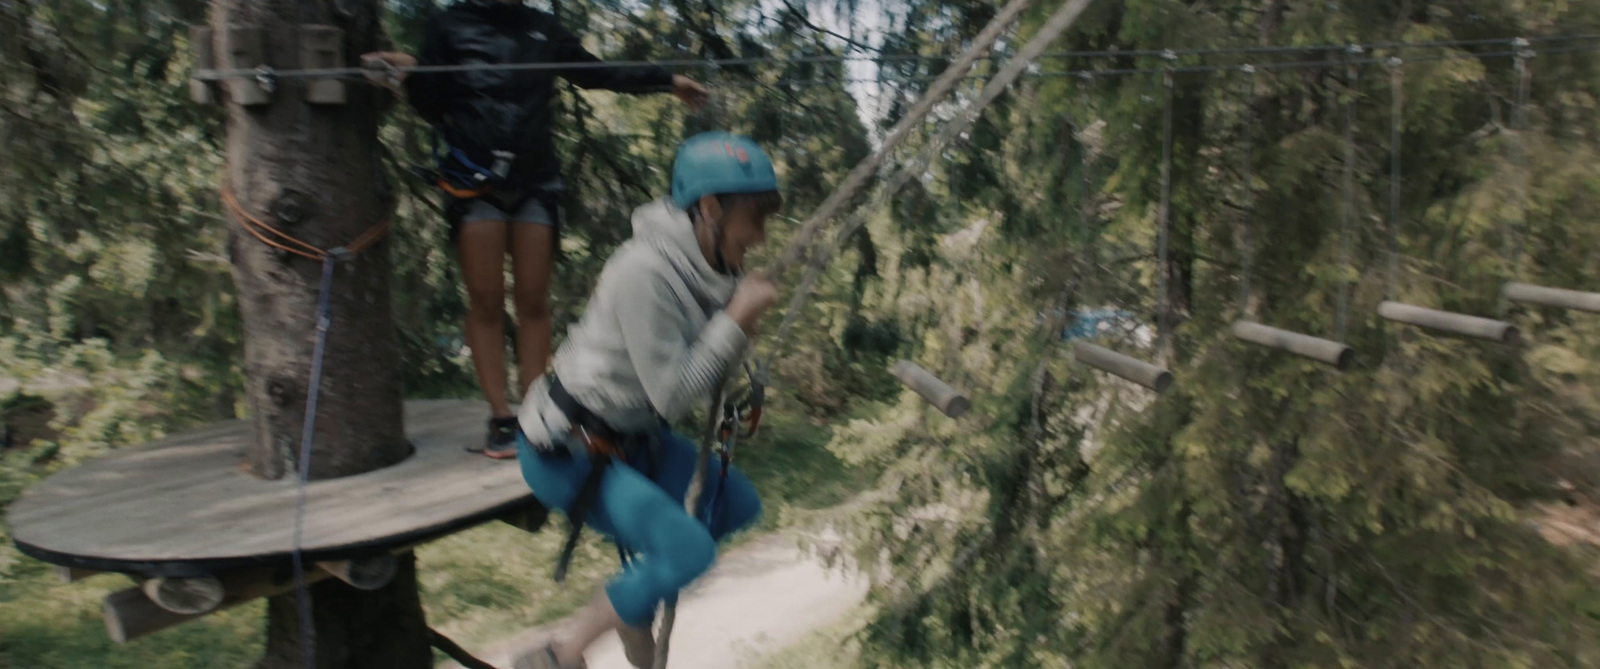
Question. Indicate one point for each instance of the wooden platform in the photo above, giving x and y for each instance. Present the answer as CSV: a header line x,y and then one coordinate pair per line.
x,y
185,506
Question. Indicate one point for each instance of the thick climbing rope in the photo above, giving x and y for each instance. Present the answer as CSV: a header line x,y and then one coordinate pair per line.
x,y
691,504
858,177
1057,24
795,252
1164,235
1342,316
1247,263
714,114
324,322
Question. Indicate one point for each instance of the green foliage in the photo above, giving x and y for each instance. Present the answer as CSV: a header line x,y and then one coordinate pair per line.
x,y
1264,512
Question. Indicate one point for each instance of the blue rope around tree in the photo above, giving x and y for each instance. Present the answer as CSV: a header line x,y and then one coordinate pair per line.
x,y
303,594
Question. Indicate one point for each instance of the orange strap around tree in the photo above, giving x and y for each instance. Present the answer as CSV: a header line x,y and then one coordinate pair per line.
x,y
260,230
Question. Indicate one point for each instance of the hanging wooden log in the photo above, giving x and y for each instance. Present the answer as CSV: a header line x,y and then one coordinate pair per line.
x,y
938,393
1553,297
1461,324
367,573
1307,346
130,613
1117,364
188,596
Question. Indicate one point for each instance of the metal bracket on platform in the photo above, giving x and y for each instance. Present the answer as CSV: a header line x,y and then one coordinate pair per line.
x,y
322,48
202,91
246,51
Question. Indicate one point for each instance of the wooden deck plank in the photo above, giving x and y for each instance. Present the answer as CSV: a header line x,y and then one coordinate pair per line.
x,y
186,501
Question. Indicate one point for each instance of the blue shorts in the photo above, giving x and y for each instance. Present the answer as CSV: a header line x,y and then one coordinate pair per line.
x,y
647,517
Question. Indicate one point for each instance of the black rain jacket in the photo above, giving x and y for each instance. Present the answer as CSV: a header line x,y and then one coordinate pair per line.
x,y
483,111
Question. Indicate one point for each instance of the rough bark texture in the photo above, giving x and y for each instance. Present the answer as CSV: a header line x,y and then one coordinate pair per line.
x,y
382,629
312,171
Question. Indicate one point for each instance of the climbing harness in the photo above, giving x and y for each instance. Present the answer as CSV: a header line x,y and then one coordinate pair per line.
x,y
324,323
740,419
604,446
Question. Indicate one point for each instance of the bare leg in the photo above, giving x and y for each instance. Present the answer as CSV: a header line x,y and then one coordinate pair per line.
x,y
594,620
482,245
531,252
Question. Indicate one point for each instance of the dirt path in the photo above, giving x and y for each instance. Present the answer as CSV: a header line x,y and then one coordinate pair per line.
x,y
759,598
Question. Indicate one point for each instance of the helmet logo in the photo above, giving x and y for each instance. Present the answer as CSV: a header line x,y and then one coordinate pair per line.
x,y
736,152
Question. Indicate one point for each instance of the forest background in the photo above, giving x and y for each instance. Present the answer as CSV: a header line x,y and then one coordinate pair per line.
x,y
1430,507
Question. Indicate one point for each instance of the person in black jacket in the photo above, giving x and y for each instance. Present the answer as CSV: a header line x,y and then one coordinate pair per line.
x,y
499,171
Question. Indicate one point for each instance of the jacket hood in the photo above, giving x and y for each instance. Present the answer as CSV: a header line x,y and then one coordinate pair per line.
x,y
668,232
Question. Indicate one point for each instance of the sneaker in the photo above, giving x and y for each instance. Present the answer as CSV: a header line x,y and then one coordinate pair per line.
x,y
501,442
544,658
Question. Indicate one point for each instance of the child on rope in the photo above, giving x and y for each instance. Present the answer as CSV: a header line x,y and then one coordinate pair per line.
x,y
671,313
500,175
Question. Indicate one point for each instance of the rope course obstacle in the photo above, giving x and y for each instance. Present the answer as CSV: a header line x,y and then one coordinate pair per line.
x,y
1245,329
1514,291
1399,312
198,536
1150,376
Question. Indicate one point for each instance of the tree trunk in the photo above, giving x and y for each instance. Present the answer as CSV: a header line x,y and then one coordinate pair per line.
x,y
312,171
382,629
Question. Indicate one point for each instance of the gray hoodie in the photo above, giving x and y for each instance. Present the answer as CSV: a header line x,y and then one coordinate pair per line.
x,y
653,339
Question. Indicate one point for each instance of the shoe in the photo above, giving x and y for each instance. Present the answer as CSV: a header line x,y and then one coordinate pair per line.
x,y
501,442
638,645
544,658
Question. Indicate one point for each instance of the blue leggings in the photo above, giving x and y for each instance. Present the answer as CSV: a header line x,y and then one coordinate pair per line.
x,y
647,517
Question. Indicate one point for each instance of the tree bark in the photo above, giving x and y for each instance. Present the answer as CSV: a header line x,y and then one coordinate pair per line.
x,y
312,171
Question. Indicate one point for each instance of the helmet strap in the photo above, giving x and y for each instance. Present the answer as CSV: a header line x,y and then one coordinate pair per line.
x,y
719,263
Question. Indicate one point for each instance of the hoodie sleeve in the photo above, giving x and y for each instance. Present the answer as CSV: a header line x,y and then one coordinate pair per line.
x,y
675,373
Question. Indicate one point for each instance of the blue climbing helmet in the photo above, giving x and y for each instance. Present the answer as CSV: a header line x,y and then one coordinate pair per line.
x,y
718,163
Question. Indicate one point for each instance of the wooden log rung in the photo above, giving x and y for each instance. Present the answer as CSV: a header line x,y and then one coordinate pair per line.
x,y
368,573
938,393
188,596
130,614
1117,364
1561,298
1307,346
1446,321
